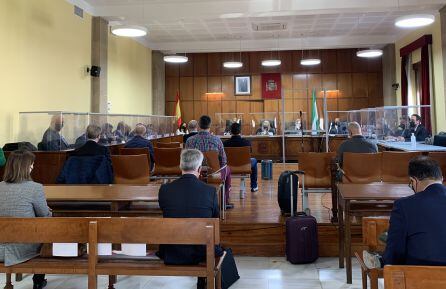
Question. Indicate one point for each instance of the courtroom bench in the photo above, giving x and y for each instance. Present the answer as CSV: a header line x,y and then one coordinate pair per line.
x,y
113,230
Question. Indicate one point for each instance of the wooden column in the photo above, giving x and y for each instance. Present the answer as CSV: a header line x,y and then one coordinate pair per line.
x,y
99,57
158,84
389,74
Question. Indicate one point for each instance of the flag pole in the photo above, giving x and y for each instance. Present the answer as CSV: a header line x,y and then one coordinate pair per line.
x,y
283,126
326,120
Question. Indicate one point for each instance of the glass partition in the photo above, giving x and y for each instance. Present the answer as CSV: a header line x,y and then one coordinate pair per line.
x,y
265,123
224,121
56,130
295,123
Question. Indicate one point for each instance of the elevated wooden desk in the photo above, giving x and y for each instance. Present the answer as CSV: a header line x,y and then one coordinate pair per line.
x,y
406,147
364,199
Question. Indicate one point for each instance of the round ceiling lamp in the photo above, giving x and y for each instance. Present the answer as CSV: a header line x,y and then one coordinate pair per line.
x,y
271,62
175,58
232,64
129,30
415,20
369,53
310,61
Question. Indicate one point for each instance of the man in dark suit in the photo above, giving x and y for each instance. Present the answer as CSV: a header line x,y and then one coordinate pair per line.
x,y
417,232
355,144
236,140
139,141
91,146
415,127
188,197
192,127
52,140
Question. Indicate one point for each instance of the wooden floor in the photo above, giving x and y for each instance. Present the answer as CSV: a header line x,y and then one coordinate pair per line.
x,y
255,226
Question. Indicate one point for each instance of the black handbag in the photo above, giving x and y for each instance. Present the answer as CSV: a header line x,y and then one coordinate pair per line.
x,y
229,272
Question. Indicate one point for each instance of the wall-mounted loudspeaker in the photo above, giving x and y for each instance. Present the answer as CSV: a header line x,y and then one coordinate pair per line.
x,y
94,71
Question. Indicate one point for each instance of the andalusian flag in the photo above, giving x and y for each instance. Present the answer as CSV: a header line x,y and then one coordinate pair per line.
x,y
178,109
314,114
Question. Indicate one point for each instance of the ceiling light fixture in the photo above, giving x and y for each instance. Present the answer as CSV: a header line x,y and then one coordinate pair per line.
x,y
175,58
273,61
310,61
415,20
369,53
233,63
129,30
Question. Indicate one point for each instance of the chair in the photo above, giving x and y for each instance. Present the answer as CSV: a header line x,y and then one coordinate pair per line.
x,y
317,175
414,277
168,145
131,169
372,228
394,166
135,151
167,163
239,160
361,167
440,157
213,176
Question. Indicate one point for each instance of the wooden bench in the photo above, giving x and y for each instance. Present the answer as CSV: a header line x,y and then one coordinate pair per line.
x,y
414,277
113,230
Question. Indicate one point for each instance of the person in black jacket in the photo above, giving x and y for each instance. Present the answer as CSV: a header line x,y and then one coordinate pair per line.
x,y
236,140
188,197
415,127
139,141
192,127
91,146
52,139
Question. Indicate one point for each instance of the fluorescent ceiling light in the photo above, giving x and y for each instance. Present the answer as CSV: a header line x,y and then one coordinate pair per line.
x,y
129,30
416,20
310,61
175,58
271,62
232,64
369,53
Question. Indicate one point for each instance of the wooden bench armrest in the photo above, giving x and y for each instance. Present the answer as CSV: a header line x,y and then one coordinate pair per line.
x,y
220,262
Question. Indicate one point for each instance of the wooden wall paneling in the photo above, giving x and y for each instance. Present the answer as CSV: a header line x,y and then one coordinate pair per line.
x,y
345,85
296,67
187,88
287,61
375,89
214,64
213,108
289,105
235,56
332,104
313,54
255,66
359,84
344,60
314,83
256,106
187,110
271,105
374,64
200,108
345,104
172,69
200,88
228,106
187,69
300,86
329,82
227,87
301,104
200,64
244,108
170,108
256,87
265,55
329,61
287,85
359,103
359,64
172,86
214,84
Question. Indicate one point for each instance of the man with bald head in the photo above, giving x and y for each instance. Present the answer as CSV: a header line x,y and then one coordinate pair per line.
x,y
139,141
192,127
52,140
356,143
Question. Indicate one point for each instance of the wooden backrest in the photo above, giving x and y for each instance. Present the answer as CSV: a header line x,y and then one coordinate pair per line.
x,y
317,168
167,161
193,231
414,277
47,166
239,159
372,228
394,167
131,169
135,151
43,230
213,165
168,145
440,157
362,167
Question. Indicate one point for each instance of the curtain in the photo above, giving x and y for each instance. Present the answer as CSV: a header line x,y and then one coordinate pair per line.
x,y
404,99
425,87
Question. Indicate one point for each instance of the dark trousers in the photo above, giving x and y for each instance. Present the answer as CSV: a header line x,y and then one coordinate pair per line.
x,y
253,173
38,278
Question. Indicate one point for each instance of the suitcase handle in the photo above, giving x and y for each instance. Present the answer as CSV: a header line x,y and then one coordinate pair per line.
x,y
298,172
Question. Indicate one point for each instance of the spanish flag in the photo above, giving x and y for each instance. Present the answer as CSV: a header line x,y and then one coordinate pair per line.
x,y
178,109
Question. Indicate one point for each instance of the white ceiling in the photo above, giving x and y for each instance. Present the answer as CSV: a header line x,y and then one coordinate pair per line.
x,y
218,25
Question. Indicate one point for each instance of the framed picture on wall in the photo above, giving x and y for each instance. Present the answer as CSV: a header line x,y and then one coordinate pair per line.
x,y
242,85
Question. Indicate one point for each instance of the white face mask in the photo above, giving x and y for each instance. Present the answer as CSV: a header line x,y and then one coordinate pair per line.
x,y
31,167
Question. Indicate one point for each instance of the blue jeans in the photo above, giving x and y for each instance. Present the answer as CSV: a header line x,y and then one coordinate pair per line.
x,y
253,173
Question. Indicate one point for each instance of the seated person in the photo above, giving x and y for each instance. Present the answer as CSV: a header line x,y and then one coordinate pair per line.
x,y
355,144
266,129
122,132
188,197
2,158
107,136
237,141
21,197
416,128
417,232
193,130
138,141
335,126
91,146
204,141
182,130
52,140
399,131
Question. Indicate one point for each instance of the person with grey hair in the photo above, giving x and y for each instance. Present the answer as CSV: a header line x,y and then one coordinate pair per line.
x,y
188,197
192,127
139,141
356,143
91,146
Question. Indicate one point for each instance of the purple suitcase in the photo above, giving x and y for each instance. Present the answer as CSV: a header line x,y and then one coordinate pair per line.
x,y
302,244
